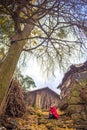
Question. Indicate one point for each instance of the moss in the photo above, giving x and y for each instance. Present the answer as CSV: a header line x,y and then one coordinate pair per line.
x,y
75,100
75,93
84,115
76,90
86,108
74,109
76,117
83,82
78,85
75,87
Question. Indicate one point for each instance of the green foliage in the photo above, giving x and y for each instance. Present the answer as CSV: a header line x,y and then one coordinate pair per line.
x,y
62,33
36,107
2,52
6,25
26,81
54,37
6,31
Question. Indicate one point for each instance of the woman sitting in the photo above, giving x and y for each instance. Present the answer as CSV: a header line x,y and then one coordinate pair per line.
x,y
53,114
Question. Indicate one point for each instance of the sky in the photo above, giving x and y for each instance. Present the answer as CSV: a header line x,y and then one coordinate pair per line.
x,y
41,80
34,70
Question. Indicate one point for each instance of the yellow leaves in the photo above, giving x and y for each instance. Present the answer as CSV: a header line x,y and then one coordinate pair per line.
x,y
61,34
22,26
31,122
41,49
35,42
28,122
42,127
37,32
34,36
27,12
33,1
23,15
60,112
6,25
67,128
1,53
3,20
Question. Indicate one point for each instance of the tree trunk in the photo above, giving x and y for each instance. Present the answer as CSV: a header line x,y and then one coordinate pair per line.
x,y
7,69
8,66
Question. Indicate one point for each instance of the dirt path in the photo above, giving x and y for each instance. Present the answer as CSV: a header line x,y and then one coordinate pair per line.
x,y
36,119
40,121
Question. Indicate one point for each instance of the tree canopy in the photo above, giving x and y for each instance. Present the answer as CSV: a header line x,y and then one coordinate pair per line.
x,y
44,27
59,26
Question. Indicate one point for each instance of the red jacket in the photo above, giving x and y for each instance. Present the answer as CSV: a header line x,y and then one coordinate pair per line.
x,y
54,111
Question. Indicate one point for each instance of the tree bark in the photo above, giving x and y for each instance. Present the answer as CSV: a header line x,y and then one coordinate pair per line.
x,y
8,66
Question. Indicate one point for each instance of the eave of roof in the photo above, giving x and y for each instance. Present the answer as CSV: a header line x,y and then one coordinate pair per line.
x,y
74,69
45,88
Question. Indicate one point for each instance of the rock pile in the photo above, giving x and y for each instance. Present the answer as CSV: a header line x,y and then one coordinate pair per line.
x,y
15,100
74,95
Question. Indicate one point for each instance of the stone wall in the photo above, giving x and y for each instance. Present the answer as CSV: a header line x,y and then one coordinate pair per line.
x,y
73,97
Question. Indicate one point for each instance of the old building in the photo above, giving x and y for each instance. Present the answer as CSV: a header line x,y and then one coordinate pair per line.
x,y
73,97
42,98
76,74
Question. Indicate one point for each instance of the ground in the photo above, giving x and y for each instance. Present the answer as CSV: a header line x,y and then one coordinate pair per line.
x,y
36,119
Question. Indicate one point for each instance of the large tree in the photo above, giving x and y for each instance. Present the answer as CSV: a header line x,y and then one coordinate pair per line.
x,y
48,22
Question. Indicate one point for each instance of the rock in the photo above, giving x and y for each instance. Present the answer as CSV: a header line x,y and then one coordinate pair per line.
x,y
7,122
75,100
74,94
15,103
76,117
3,128
71,109
83,94
63,104
84,116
